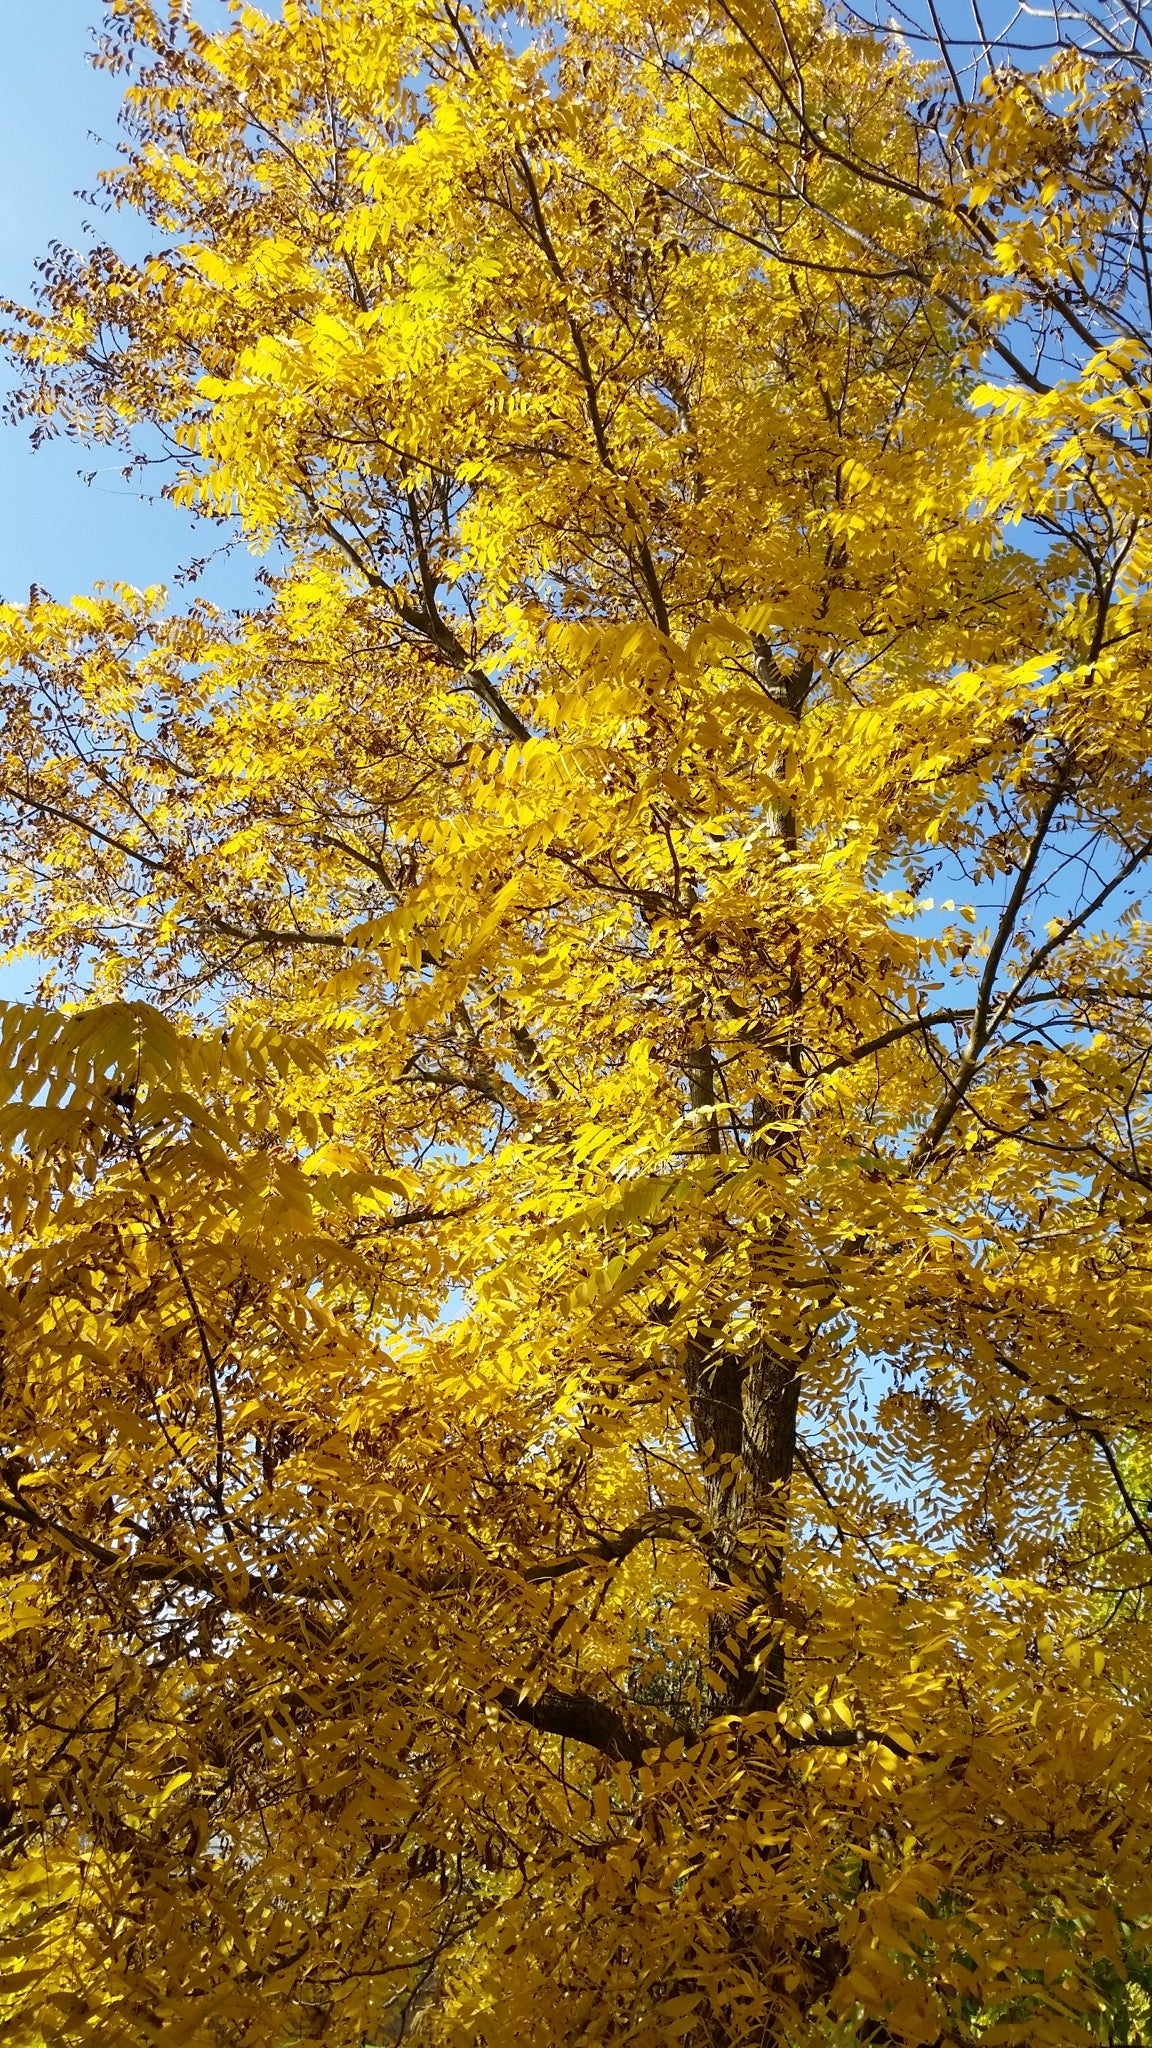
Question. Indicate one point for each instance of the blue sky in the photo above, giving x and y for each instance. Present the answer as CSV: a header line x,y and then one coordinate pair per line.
x,y
57,130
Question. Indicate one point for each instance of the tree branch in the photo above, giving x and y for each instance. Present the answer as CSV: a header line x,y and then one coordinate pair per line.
x,y
982,1028
431,626
674,1526
216,1487
1092,1429
155,1571
578,1717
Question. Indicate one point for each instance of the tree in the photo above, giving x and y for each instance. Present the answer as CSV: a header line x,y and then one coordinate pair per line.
x,y
576,1367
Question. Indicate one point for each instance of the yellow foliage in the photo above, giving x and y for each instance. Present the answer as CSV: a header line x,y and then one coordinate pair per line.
x,y
576,1322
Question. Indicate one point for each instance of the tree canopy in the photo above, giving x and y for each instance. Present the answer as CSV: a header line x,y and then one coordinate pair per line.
x,y
575,1333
